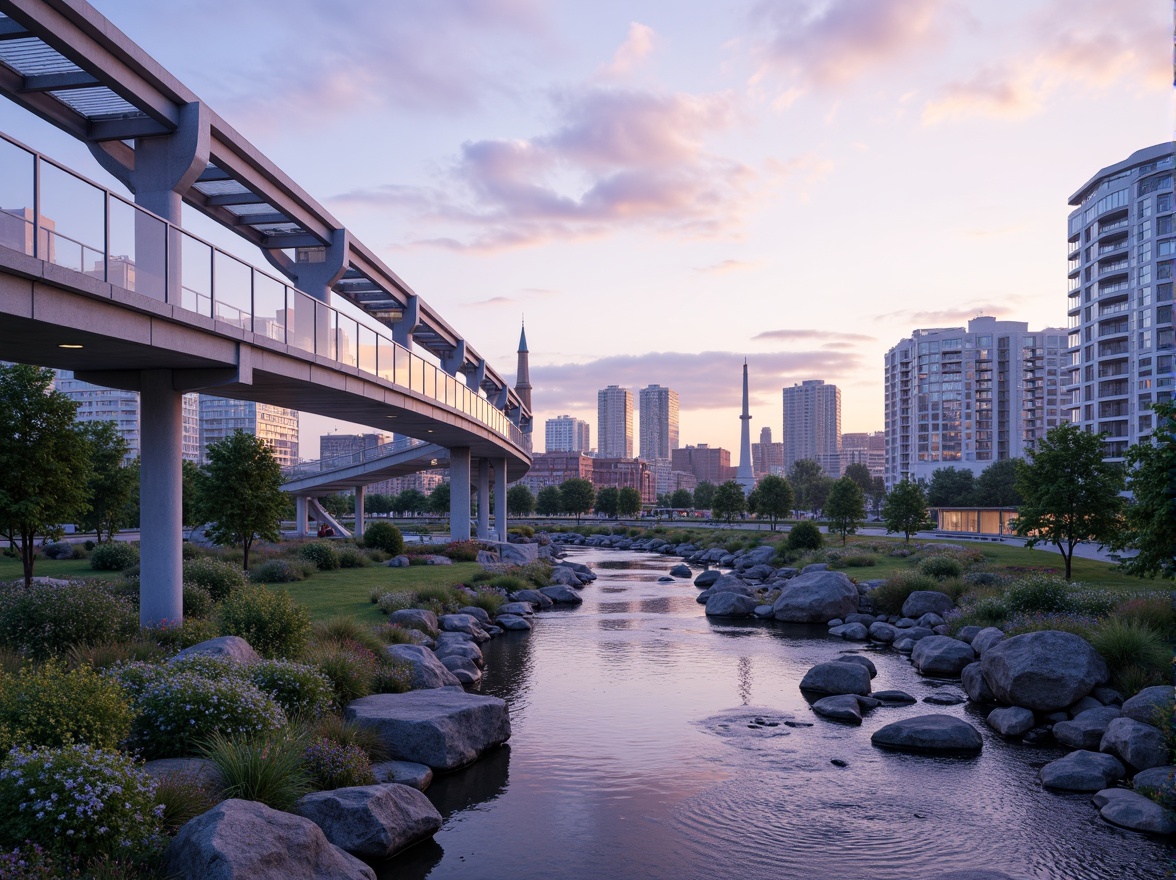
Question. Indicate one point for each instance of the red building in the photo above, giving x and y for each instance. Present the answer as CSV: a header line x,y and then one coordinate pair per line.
x,y
621,473
712,464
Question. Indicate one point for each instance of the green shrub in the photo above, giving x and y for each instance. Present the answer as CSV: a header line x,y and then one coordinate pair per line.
x,y
376,556
34,862
102,657
389,602
941,567
1039,592
392,677
176,637
197,600
395,634
55,706
114,556
265,768
182,709
190,551
510,583
350,666
183,797
857,560
488,600
46,620
300,689
525,531
218,577
348,733
269,620
893,592
77,799
353,557
330,765
1156,612
58,550
323,555
281,571
1137,655
986,611
384,536
805,535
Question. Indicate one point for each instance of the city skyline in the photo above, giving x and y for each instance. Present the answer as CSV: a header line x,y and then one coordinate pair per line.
x,y
642,166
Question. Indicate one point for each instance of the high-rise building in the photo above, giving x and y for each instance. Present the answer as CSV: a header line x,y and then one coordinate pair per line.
x,y
867,449
965,398
767,457
566,434
614,422
812,425
659,422
708,463
276,425
333,446
1120,344
97,403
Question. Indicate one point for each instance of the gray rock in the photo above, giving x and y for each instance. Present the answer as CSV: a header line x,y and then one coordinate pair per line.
x,y
835,622
681,570
759,573
1044,671
837,678
729,604
1012,721
986,638
418,776
815,597
894,698
1108,696
519,609
463,623
815,566
922,602
401,561
861,660
518,554
842,707
466,650
532,597
479,614
975,685
232,648
930,620
1157,782
1082,771
1086,729
199,770
371,821
762,555
438,560
561,595
485,557
464,670
1139,745
851,632
942,656
512,622
967,633
883,632
445,728
565,577
707,578
238,839
929,734
904,645
425,670
945,697
1151,705
416,618
763,611
1138,813
1083,705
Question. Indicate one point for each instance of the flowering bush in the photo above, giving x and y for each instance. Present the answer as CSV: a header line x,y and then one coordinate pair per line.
x,y
220,578
85,801
1039,592
300,690
177,636
137,676
331,765
33,862
45,620
389,602
54,706
182,709
281,571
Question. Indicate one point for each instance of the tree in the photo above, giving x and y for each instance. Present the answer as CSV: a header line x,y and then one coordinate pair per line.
x,y
729,501
607,501
412,502
44,463
905,509
576,496
681,499
704,495
241,492
1150,518
997,485
549,502
519,500
439,500
860,474
877,493
1070,493
628,501
846,507
773,498
338,504
803,476
110,486
190,479
951,487
819,492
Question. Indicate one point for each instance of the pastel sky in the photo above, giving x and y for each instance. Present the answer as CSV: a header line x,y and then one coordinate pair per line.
x,y
664,188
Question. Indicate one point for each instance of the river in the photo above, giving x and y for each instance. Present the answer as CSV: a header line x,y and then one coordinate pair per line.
x,y
651,742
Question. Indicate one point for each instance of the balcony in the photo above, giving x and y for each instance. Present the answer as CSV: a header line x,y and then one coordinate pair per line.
x,y
1112,246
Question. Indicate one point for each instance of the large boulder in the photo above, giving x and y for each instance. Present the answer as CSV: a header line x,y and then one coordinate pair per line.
x,y
532,597
1137,744
1151,705
425,670
986,638
1082,771
371,821
239,839
463,669
1129,809
232,648
465,649
841,707
975,685
707,578
929,734
1085,730
1011,721
922,602
942,656
880,631
681,570
816,597
512,622
416,618
517,554
445,728
1158,783
1044,671
463,623
561,594
404,772
836,677
561,575
730,604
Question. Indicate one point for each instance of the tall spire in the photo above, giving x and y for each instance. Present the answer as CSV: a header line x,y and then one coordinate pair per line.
x,y
523,373
744,476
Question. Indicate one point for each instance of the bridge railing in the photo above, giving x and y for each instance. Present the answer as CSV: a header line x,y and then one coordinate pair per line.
x,y
52,213
349,459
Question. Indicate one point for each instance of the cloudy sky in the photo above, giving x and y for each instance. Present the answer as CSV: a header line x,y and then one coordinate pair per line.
x,y
664,187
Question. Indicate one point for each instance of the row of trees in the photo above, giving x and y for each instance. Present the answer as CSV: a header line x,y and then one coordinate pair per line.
x,y
996,486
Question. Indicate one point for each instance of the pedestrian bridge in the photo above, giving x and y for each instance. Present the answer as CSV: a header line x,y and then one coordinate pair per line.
x,y
120,292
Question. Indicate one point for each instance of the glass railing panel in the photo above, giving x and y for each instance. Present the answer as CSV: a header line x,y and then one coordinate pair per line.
x,y
72,223
232,291
195,275
348,336
324,330
386,359
367,350
17,201
137,251
269,307
300,319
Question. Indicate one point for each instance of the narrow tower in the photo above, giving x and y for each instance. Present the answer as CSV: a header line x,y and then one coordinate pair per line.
x,y
744,476
523,373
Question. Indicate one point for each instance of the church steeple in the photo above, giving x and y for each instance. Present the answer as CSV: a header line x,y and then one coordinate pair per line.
x,y
523,373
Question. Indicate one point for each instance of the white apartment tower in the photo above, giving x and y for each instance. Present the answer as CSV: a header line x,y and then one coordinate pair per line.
x,y
566,434
276,425
1121,244
965,398
614,422
812,425
659,422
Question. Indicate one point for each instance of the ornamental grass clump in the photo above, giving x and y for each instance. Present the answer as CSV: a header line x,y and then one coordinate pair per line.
x,y
281,571
269,620
348,733
176,636
53,705
489,599
331,765
300,689
264,768
349,665
1137,655
220,578
889,596
45,620
76,799
183,797
395,634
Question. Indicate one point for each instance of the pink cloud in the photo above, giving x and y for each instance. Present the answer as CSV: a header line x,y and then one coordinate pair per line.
x,y
637,47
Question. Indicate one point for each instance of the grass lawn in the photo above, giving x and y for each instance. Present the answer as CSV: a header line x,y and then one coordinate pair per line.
x,y
12,570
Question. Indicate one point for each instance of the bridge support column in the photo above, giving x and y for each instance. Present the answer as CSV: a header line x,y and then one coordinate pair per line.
x,y
301,516
360,495
459,493
161,488
500,489
484,498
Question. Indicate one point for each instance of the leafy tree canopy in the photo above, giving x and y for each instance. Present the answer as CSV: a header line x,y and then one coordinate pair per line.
x,y
681,499
846,507
519,500
860,474
549,501
997,485
704,495
439,499
607,501
805,476
1150,518
905,509
951,487
729,501
576,496
773,498
628,501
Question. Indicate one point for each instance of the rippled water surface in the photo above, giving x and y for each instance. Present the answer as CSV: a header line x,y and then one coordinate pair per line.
x,y
643,747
